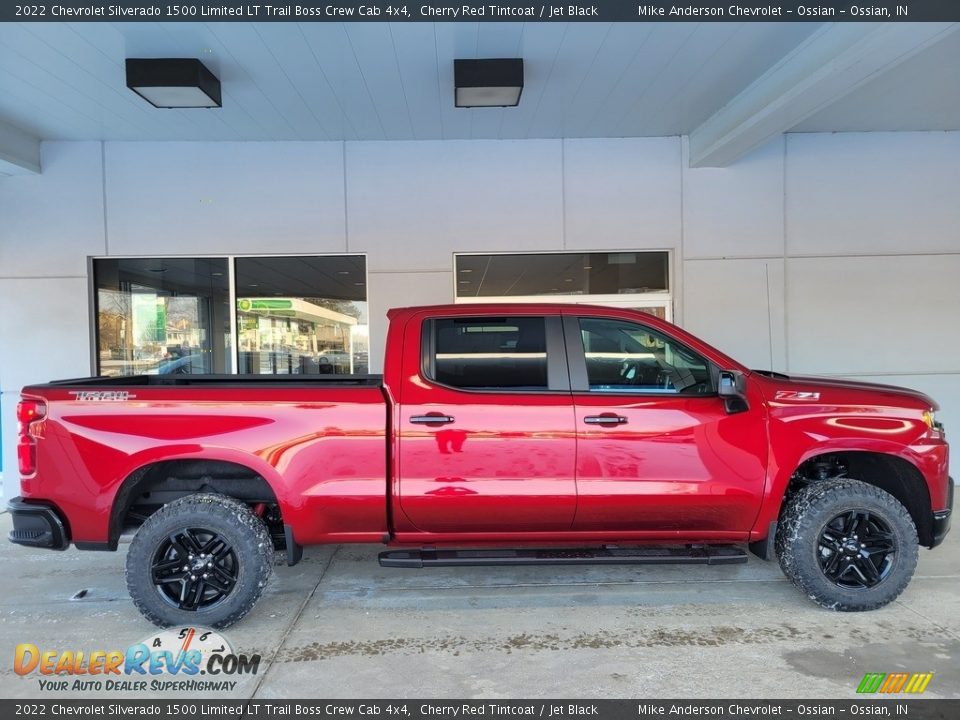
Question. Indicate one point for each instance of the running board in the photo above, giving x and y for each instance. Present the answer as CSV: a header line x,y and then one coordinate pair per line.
x,y
606,555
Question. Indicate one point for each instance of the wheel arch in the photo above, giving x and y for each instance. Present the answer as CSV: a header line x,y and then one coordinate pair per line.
x,y
891,472
177,475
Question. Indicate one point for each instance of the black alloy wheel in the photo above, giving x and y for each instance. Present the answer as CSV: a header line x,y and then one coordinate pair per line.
x,y
846,544
857,549
200,560
194,568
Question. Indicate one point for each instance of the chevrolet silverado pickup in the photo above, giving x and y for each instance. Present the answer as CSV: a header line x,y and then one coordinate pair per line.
x,y
498,434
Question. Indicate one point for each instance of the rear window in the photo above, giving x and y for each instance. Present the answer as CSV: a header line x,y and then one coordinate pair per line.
x,y
491,353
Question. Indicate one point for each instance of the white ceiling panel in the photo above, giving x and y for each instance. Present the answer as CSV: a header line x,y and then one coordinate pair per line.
x,y
380,81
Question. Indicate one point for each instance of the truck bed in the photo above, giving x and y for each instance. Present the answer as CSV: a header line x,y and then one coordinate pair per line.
x,y
109,436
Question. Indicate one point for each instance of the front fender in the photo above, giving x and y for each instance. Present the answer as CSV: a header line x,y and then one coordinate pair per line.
x,y
796,437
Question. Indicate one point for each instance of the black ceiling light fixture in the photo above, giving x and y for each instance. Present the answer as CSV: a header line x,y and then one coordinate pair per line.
x,y
173,82
495,82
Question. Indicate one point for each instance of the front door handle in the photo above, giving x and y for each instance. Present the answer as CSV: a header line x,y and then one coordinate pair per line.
x,y
605,419
432,419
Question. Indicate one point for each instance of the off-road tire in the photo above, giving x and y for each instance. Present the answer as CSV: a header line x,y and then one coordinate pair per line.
x,y
798,542
230,519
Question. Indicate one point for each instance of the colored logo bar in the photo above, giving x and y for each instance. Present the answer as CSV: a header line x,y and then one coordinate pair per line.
x,y
894,683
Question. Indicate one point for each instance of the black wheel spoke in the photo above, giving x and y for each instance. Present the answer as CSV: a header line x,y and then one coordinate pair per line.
x,y
213,546
185,589
878,543
831,540
224,575
168,571
176,541
222,553
832,562
847,569
862,527
190,540
867,570
218,583
191,600
850,523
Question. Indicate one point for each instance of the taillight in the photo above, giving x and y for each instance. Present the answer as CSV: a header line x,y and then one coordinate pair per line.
x,y
27,455
29,412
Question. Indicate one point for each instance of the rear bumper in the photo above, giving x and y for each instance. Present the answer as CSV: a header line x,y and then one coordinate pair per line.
x,y
37,525
941,518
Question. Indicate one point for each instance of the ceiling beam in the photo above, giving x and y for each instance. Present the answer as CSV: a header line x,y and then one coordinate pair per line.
x,y
835,60
19,151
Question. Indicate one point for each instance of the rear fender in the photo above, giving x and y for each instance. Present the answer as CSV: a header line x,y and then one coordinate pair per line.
x,y
140,462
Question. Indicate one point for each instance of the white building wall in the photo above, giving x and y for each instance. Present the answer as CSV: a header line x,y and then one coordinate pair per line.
x,y
827,253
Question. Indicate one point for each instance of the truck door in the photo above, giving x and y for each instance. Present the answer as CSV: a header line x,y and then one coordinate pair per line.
x,y
486,427
657,449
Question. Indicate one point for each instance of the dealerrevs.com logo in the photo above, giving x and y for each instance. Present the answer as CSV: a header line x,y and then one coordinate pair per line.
x,y
188,659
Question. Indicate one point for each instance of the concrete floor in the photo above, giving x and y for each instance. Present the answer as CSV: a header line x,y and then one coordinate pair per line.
x,y
339,626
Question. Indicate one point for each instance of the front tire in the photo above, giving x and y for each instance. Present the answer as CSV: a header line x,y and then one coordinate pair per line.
x,y
848,545
200,560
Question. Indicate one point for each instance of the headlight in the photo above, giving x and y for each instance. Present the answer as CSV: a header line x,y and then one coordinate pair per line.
x,y
931,420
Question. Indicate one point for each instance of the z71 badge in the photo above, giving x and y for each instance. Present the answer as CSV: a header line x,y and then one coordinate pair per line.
x,y
102,395
796,395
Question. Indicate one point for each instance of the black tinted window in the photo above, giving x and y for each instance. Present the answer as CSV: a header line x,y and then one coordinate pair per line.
x,y
491,353
570,273
623,356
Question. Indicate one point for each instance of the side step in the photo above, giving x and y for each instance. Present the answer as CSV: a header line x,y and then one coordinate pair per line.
x,y
606,555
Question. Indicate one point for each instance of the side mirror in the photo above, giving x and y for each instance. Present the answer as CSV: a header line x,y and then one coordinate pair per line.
x,y
732,387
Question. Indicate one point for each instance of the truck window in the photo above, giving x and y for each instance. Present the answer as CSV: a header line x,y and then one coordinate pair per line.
x,y
491,353
625,357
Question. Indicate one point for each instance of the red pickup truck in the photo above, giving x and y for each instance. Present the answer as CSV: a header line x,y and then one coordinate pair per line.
x,y
499,434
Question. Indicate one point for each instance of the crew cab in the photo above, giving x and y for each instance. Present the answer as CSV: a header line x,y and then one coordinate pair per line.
x,y
498,434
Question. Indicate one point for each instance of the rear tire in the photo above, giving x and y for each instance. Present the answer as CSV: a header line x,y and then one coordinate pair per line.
x,y
200,560
848,545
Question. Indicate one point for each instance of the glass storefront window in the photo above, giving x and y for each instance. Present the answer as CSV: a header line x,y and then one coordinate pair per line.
x,y
172,315
162,315
527,274
303,315
639,280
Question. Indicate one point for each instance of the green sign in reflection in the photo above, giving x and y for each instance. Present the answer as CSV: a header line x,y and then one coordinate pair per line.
x,y
248,305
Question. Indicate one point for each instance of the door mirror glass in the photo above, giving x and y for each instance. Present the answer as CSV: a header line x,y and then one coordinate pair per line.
x,y
731,386
727,386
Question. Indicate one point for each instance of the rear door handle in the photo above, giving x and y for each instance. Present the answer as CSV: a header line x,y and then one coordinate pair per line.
x,y
432,419
605,419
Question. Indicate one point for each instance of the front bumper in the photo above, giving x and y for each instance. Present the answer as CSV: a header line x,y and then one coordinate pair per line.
x,y
941,518
37,525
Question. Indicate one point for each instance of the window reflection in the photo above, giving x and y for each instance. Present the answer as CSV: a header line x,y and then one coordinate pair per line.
x,y
491,352
304,315
162,315
569,273
294,315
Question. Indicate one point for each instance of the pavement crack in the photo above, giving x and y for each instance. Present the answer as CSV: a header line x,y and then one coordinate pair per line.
x,y
292,624
933,622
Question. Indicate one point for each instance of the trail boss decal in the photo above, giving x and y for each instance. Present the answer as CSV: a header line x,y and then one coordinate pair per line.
x,y
796,395
102,395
